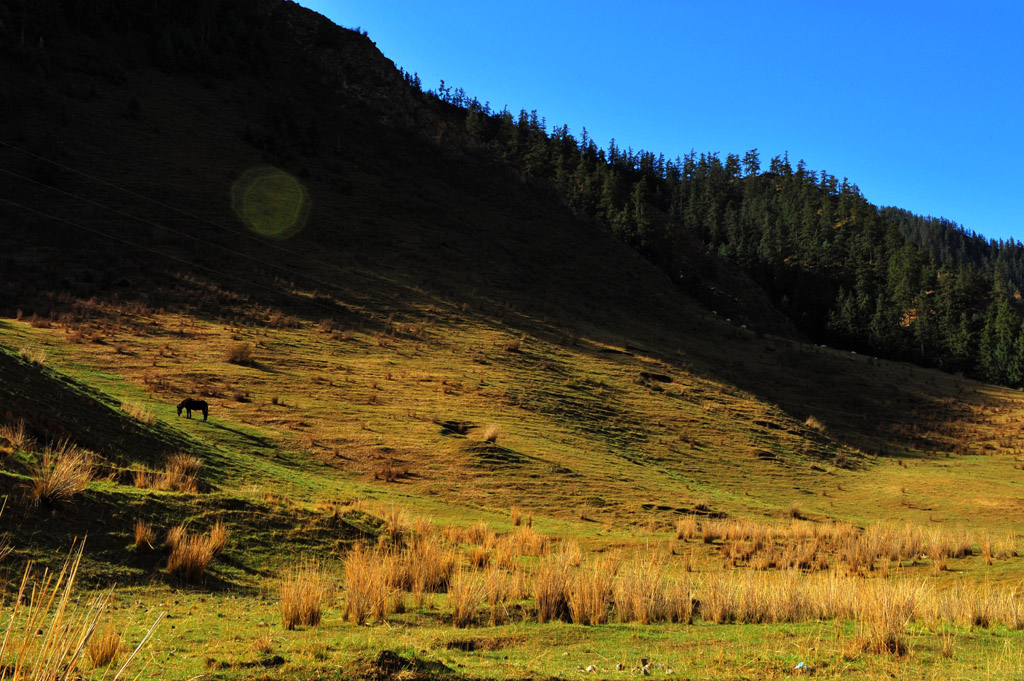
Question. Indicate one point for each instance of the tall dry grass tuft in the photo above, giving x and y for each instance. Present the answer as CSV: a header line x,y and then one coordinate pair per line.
x,y
500,590
466,594
679,601
687,528
590,590
218,538
180,474
397,525
191,554
516,515
104,646
145,536
239,353
491,433
305,592
16,436
884,610
359,576
63,471
387,576
640,590
551,587
429,566
139,412
49,631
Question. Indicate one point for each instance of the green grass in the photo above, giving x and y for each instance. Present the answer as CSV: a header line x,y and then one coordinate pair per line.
x,y
428,288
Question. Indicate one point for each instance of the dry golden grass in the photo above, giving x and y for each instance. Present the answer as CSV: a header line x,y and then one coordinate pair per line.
x,y
590,590
479,557
815,424
304,593
16,436
104,646
35,356
551,587
466,594
360,574
145,536
191,554
516,515
884,611
139,412
63,471
218,538
180,474
491,433
500,588
174,536
640,590
239,353
687,528
49,632
429,566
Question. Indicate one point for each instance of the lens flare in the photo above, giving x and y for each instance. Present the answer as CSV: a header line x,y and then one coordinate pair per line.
x,y
271,202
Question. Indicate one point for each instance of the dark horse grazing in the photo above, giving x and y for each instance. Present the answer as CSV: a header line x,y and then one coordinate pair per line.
x,y
188,404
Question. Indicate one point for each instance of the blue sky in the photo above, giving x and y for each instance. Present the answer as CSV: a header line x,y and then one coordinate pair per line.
x,y
921,104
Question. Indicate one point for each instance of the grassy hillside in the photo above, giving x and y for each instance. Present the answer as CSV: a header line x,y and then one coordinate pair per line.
x,y
441,343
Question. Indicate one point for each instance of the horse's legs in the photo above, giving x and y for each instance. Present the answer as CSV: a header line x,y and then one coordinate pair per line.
x,y
188,413
205,414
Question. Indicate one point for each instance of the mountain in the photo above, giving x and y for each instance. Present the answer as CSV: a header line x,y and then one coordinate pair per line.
x,y
417,322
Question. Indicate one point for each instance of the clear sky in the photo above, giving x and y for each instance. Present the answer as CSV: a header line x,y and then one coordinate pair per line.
x,y
921,104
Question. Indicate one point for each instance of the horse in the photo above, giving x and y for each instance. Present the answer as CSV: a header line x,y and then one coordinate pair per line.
x,y
188,404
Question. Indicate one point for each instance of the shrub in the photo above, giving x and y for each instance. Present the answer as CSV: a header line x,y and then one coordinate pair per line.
x,y
35,356
305,591
240,353
62,472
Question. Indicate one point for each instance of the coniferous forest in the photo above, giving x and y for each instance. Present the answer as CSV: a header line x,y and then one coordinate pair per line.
x,y
846,272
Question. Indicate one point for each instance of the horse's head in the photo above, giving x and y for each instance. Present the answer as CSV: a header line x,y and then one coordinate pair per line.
x,y
180,407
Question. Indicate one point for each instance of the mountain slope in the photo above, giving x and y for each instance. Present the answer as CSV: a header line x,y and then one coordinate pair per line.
x,y
432,283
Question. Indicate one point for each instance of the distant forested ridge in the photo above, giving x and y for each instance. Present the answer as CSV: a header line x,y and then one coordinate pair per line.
x,y
878,280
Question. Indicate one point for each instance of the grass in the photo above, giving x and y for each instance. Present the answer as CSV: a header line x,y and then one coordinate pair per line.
x,y
304,593
791,534
62,471
191,554
50,630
